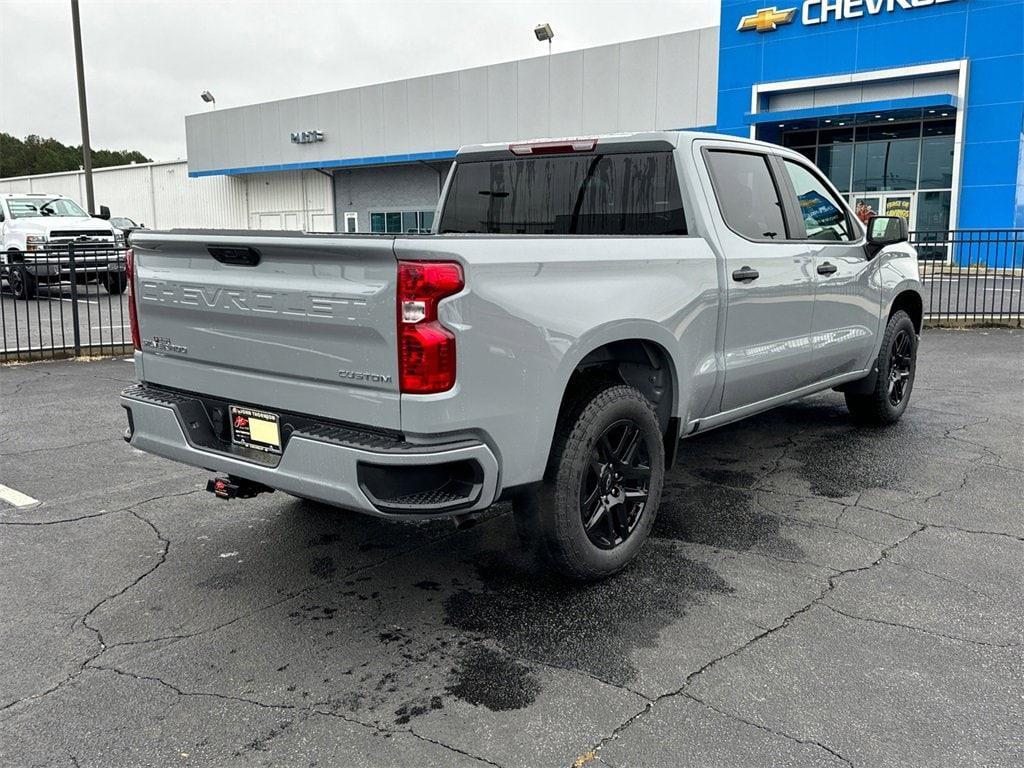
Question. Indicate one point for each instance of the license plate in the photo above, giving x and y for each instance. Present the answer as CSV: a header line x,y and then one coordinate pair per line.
x,y
255,429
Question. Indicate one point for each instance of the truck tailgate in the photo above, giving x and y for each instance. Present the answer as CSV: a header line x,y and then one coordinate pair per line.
x,y
295,322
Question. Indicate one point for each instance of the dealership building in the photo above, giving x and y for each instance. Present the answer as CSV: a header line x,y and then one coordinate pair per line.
x,y
914,107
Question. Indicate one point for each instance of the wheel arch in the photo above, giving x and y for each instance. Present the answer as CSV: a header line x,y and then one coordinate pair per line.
x,y
910,301
637,359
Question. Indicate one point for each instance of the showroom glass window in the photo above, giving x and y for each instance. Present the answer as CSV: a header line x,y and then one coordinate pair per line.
x,y
887,163
578,194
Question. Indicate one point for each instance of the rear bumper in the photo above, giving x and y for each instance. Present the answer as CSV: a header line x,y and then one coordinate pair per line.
x,y
369,473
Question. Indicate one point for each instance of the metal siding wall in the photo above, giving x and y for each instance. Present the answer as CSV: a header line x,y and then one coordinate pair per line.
x,y
178,201
162,196
663,82
385,188
638,88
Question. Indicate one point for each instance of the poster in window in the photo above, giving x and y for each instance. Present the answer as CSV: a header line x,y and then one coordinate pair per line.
x,y
898,206
819,209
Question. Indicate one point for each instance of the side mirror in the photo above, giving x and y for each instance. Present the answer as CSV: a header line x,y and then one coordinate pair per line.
x,y
887,230
104,212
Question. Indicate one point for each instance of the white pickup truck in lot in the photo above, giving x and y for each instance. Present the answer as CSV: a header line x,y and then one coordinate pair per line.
x,y
36,231
580,306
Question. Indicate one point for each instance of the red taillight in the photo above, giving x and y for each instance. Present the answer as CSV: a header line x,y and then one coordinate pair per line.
x,y
133,315
426,349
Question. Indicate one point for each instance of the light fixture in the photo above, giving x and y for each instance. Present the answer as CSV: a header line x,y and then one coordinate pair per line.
x,y
208,98
931,111
944,114
842,123
782,125
891,119
828,121
544,32
877,116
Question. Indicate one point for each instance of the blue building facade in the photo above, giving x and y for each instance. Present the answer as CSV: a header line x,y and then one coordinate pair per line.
x,y
913,107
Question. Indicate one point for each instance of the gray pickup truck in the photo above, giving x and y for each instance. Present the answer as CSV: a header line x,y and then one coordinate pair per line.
x,y
580,306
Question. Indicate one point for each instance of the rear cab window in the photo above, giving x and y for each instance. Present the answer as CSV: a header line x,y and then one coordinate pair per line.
x,y
633,193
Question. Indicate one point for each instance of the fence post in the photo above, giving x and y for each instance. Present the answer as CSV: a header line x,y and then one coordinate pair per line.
x,y
74,300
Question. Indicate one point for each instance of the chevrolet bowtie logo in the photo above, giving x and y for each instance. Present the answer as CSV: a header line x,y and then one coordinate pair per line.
x,y
766,19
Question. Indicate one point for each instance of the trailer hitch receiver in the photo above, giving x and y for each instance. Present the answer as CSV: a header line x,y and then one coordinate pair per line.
x,y
235,488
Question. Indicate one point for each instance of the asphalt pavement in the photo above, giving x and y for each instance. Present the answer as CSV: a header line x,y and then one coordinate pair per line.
x,y
815,594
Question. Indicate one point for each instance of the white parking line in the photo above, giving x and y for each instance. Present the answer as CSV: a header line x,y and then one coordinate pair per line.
x,y
72,301
16,499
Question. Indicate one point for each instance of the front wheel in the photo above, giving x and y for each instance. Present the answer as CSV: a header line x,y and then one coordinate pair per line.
x,y
115,282
897,366
23,284
595,508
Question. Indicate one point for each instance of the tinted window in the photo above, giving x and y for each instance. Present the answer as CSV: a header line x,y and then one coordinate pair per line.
x,y
823,215
746,194
836,160
621,194
885,165
936,162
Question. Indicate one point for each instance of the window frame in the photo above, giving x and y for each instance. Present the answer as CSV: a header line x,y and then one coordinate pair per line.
x,y
685,198
793,202
784,206
346,218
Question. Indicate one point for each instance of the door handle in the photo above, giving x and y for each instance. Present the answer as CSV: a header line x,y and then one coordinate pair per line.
x,y
745,275
827,269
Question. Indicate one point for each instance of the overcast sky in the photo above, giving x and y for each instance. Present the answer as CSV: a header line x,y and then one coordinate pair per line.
x,y
146,61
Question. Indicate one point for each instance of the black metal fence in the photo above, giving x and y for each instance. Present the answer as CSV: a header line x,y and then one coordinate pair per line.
x,y
62,302
72,301
972,275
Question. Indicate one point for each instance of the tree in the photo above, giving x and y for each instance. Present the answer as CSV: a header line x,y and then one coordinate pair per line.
x,y
38,155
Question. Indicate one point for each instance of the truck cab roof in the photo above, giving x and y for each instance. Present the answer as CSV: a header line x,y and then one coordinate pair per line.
x,y
611,142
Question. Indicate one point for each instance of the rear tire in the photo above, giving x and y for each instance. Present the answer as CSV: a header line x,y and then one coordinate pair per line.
x,y
897,366
594,511
115,282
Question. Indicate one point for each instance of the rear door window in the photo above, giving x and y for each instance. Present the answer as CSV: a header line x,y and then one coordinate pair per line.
x,y
823,215
746,194
588,194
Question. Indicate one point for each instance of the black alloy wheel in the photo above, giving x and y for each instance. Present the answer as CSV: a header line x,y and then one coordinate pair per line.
x,y
615,488
900,362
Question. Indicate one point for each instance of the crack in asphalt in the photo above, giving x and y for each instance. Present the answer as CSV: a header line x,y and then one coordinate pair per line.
x,y
94,515
162,559
915,628
51,448
831,584
766,729
309,711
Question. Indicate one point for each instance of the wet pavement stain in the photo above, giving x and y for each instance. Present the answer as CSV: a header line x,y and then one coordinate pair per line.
x,y
590,627
323,567
733,477
847,460
720,516
488,678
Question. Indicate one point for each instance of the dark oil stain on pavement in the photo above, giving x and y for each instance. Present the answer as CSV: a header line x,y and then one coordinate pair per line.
x,y
590,627
492,679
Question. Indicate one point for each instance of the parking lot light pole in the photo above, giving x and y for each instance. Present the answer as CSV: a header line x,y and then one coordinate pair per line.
x,y
83,111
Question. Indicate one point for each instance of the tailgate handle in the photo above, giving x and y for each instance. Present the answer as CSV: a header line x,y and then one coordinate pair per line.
x,y
238,257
